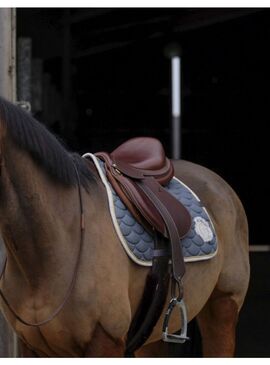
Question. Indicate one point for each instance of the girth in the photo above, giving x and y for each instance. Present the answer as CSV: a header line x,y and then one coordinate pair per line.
x,y
137,170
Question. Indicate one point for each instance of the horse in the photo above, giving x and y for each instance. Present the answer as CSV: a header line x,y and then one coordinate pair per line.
x,y
68,289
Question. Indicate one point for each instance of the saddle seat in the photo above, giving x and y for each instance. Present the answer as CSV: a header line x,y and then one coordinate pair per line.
x,y
141,157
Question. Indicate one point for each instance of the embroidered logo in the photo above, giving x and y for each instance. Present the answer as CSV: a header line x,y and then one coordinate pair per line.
x,y
203,229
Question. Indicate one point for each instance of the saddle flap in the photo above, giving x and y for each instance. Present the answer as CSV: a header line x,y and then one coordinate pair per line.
x,y
176,210
149,210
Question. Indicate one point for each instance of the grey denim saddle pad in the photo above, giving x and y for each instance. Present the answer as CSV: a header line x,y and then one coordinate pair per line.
x,y
199,244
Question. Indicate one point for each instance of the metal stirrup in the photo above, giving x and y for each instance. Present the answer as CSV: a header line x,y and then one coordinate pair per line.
x,y
183,314
176,302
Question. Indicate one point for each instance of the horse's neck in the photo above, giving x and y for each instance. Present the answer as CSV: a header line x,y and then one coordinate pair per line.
x,y
36,213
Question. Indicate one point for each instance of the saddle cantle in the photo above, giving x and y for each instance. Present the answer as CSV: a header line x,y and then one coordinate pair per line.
x,y
137,170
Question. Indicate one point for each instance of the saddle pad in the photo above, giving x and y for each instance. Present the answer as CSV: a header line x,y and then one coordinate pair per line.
x,y
199,244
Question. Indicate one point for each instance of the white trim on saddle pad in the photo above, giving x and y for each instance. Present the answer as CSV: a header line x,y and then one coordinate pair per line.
x,y
201,227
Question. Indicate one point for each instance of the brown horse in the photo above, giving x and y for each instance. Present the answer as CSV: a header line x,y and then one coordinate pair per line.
x,y
75,282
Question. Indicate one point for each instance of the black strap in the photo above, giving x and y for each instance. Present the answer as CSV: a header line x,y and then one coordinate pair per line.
x,y
153,300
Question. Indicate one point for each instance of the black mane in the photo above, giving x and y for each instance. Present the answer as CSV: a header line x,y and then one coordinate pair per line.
x,y
43,146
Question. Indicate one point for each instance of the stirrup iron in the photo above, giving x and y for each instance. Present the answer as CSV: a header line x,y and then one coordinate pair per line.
x,y
175,302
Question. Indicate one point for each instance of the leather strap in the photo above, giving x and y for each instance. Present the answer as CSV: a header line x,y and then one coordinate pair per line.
x,y
177,256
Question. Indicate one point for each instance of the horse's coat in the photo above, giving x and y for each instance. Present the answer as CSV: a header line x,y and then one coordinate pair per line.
x,y
40,225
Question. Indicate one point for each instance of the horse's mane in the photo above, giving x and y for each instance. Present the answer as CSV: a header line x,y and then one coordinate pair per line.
x,y
33,137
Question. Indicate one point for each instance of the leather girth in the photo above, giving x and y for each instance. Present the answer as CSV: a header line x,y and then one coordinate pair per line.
x,y
153,300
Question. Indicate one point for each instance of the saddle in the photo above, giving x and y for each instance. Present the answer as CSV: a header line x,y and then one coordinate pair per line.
x,y
138,169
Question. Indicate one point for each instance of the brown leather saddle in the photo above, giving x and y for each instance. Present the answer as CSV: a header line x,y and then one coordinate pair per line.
x,y
138,170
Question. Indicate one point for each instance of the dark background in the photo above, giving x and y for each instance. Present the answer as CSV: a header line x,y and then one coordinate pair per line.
x,y
111,81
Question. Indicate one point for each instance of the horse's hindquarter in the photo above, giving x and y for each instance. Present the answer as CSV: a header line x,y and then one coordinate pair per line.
x,y
228,271
230,222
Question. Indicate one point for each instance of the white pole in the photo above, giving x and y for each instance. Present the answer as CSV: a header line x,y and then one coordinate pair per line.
x,y
8,339
24,69
8,53
176,106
